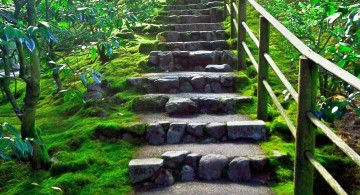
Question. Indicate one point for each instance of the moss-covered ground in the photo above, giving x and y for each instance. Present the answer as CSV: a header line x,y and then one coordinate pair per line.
x,y
82,163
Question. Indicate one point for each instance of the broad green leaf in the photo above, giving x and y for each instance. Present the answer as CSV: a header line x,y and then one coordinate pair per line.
x,y
357,111
9,32
19,145
96,79
1,131
84,80
44,24
30,148
4,156
29,43
38,142
4,143
93,54
12,130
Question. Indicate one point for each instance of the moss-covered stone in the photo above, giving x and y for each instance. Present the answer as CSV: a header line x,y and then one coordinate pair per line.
x,y
146,48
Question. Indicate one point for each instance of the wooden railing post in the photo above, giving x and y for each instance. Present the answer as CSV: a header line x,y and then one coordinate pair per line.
x,y
241,35
305,132
233,16
225,8
262,104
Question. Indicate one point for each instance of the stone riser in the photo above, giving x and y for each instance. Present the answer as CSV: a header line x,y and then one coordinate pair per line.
x,y
185,2
186,19
173,36
194,27
180,132
189,61
187,12
184,166
182,84
193,6
194,46
174,105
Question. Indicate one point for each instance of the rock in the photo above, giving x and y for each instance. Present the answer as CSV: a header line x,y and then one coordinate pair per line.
x,y
155,134
246,129
180,106
172,36
93,95
151,103
216,14
93,87
196,129
228,58
211,166
128,137
166,61
198,82
198,69
211,105
153,58
142,169
189,139
173,159
165,125
212,78
207,88
229,105
227,81
216,87
258,163
176,133
202,58
239,170
216,130
187,173
193,160
208,141
218,68
186,87
165,178
167,83
134,82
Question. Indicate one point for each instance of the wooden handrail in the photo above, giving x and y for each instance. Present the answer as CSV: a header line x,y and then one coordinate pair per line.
x,y
304,132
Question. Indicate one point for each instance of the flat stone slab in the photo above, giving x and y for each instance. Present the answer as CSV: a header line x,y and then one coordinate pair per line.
x,y
174,36
209,188
204,118
184,19
185,74
142,169
194,6
246,129
226,149
194,27
187,12
194,45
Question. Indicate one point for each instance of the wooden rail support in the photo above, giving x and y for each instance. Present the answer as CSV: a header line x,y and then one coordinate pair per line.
x,y
262,104
241,35
305,132
233,16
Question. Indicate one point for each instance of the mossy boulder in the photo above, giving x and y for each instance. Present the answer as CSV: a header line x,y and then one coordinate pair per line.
x,y
146,48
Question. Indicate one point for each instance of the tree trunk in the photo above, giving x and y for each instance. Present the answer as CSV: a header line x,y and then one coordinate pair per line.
x,y
40,158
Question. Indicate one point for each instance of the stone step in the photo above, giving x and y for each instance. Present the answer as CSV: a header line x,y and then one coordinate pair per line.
x,y
190,103
192,131
207,188
236,162
194,27
185,2
204,118
189,60
184,19
194,45
174,36
177,82
194,6
196,12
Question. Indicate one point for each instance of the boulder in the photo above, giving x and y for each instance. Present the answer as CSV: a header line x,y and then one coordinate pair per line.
x,y
166,61
196,129
193,160
173,159
216,130
258,163
154,58
155,134
181,106
218,68
216,87
239,170
176,133
211,166
198,82
151,103
165,178
187,173
186,87
189,139
134,82
246,130
141,170
167,83
211,105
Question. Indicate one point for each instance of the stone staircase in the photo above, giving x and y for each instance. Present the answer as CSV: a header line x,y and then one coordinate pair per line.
x,y
193,133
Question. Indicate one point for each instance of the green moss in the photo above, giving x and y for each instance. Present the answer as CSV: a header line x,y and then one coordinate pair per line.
x,y
72,166
146,48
